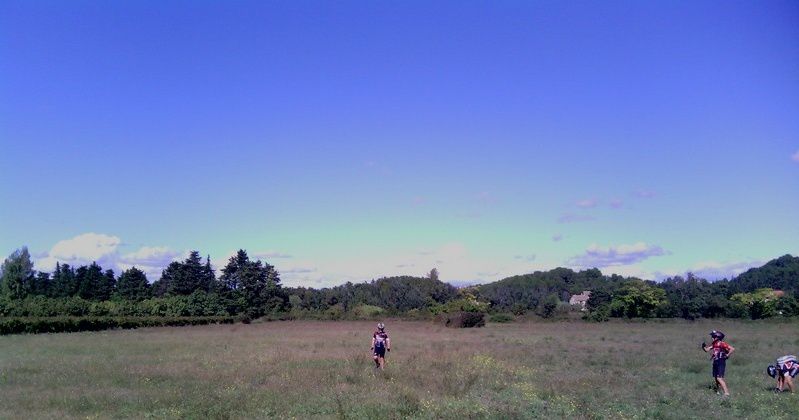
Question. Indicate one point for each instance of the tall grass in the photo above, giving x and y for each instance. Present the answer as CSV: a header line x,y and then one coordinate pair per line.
x,y
323,369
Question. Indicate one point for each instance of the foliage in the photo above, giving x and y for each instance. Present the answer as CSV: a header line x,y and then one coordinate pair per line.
x,y
462,319
501,318
133,285
637,299
16,274
184,278
761,303
364,311
526,292
781,273
257,283
32,325
394,294
546,307
467,303
252,288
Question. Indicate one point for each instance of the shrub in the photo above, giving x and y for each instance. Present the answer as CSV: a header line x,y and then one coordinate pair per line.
x,y
367,311
599,314
466,304
33,325
501,318
548,306
335,312
462,319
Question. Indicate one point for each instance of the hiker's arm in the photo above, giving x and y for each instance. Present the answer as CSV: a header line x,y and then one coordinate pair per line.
x,y
729,353
388,344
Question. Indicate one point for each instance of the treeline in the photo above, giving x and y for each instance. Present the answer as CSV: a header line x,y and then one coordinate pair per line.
x,y
252,288
186,288
390,296
763,292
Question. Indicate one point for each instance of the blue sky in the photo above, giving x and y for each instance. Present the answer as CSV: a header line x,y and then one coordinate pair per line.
x,y
351,140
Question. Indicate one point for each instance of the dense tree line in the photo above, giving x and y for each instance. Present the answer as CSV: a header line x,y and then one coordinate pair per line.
x,y
770,290
394,294
253,288
186,288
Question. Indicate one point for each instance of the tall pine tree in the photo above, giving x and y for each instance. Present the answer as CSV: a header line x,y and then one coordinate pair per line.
x,y
133,285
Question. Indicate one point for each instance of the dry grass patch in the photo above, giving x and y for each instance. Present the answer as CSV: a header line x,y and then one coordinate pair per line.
x,y
323,369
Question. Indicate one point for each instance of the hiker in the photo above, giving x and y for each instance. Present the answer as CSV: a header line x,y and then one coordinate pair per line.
x,y
380,345
721,352
785,370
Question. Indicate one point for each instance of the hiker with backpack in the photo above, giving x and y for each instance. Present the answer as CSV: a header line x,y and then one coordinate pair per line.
x,y
380,345
721,351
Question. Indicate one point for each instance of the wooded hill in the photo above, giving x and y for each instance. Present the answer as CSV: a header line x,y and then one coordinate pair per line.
x,y
253,289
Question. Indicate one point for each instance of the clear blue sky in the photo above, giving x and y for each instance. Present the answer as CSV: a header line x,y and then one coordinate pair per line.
x,y
350,140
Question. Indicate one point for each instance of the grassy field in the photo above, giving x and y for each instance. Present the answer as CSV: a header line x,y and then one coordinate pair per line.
x,y
323,369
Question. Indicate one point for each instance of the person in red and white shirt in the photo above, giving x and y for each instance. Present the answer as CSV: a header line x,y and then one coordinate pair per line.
x,y
721,351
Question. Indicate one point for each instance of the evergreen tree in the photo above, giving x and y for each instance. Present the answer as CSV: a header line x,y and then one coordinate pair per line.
x,y
257,283
106,286
164,285
16,274
209,278
41,284
190,276
64,281
184,278
133,285
90,281
230,277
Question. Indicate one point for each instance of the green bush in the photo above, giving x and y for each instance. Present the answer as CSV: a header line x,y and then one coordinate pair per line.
x,y
335,312
599,314
33,325
462,319
367,311
501,318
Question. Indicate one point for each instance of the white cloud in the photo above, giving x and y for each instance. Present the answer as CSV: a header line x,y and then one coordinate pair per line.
x,y
530,257
587,203
596,256
795,156
89,246
104,249
150,260
82,249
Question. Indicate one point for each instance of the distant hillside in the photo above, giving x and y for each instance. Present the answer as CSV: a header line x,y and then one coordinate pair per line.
x,y
781,273
400,293
526,291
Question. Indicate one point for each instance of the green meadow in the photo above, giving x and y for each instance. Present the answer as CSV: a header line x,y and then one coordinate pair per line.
x,y
318,369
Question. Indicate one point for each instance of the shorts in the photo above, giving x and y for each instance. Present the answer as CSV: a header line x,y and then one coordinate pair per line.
x,y
788,372
380,351
719,365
